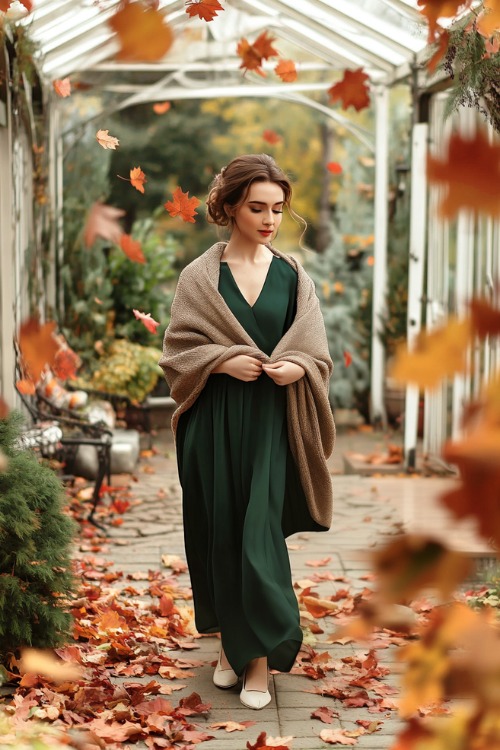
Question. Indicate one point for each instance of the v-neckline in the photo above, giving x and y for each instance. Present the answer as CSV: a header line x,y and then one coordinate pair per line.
x,y
239,290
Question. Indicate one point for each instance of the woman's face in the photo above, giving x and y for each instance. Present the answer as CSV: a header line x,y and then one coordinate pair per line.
x,y
258,218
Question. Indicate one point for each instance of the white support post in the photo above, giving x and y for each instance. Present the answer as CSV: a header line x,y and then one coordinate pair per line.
x,y
377,409
418,223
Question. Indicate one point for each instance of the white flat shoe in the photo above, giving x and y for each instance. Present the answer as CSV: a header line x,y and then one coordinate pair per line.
x,y
224,678
256,699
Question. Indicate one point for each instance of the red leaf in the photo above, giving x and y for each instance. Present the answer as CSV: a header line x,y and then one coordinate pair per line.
x,y
271,137
334,167
156,706
192,704
204,9
132,248
161,107
324,714
66,363
148,321
252,55
182,206
62,87
347,359
352,90
286,70
38,346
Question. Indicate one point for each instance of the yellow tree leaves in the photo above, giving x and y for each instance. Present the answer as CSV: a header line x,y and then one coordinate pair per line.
x,y
470,173
142,32
352,90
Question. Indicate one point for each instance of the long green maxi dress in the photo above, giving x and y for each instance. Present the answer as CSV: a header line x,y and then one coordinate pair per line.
x,y
236,472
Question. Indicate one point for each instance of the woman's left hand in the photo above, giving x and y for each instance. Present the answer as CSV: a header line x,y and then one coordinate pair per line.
x,y
284,373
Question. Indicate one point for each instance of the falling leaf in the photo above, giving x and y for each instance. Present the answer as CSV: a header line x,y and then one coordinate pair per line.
x,y
270,136
182,206
38,662
253,55
26,387
38,346
62,87
470,173
435,9
232,726
102,222
488,21
347,359
286,70
352,90
204,9
437,354
442,46
143,34
334,167
138,178
413,562
66,363
485,318
161,107
147,320
105,140
132,248
336,737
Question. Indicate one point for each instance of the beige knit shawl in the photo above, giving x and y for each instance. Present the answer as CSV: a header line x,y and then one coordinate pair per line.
x,y
203,332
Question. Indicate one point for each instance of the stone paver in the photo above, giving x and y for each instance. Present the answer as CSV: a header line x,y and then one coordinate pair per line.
x,y
367,512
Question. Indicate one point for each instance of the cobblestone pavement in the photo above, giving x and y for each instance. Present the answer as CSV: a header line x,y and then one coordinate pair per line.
x,y
366,511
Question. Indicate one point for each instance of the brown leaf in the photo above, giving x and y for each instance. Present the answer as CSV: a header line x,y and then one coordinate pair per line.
x,y
286,70
352,90
138,178
232,726
325,714
102,221
44,663
204,9
143,34
318,563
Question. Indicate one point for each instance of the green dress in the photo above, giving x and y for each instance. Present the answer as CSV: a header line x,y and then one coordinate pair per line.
x,y
236,470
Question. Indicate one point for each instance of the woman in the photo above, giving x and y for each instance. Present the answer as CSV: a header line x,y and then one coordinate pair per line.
x,y
246,358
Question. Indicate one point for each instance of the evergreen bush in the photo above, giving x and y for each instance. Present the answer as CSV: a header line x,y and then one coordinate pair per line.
x,y
35,539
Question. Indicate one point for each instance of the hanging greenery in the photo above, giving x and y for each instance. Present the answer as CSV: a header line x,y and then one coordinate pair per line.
x,y
473,63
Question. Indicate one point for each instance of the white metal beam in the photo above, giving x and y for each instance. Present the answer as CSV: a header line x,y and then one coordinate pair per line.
x,y
378,413
416,261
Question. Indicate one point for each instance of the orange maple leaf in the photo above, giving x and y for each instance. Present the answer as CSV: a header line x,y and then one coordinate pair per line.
x,y
271,136
105,140
252,55
334,167
150,323
66,363
26,387
352,90
434,9
138,178
102,221
204,9
471,171
182,206
62,87
286,70
488,21
38,346
132,248
161,107
142,33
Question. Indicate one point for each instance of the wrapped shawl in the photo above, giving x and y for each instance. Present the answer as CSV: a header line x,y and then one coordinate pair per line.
x,y
203,333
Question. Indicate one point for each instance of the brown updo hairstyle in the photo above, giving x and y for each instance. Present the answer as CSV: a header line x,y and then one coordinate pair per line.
x,y
230,187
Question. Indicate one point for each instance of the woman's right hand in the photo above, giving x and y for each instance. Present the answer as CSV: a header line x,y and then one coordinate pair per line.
x,y
242,367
